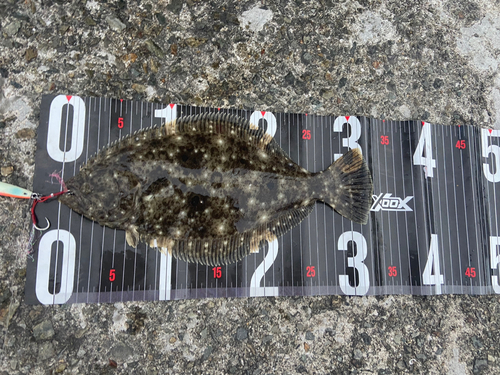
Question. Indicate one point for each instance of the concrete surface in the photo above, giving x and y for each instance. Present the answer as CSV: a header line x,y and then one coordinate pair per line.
x,y
429,60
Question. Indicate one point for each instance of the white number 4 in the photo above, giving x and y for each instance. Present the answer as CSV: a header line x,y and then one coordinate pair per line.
x,y
425,143
429,278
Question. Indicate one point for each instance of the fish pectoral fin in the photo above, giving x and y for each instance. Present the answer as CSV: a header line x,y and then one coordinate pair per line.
x,y
132,236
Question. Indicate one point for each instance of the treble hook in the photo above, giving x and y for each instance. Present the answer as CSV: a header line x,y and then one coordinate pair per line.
x,y
42,229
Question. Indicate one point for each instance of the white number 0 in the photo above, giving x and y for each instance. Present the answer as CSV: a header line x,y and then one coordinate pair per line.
x,y
54,129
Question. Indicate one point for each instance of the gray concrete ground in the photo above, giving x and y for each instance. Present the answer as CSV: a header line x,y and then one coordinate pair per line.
x,y
429,60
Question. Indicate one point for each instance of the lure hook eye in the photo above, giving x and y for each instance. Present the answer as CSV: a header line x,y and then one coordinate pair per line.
x,y
42,229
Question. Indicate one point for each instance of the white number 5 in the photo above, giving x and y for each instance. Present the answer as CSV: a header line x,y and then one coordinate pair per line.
x,y
495,262
490,149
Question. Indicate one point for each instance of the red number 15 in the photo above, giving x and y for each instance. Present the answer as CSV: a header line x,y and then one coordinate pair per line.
x,y
217,272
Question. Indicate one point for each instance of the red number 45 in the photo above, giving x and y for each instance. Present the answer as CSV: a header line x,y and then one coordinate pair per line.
x,y
460,144
470,272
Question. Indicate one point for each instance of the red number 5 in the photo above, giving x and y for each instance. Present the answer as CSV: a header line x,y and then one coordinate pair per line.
x,y
120,122
112,275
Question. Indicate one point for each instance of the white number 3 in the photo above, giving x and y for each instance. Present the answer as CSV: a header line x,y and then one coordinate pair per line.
x,y
355,262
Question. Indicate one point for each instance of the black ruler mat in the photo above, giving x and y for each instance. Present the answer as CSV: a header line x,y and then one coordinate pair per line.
x,y
433,227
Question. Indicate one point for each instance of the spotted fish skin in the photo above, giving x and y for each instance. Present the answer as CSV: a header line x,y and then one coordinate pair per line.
x,y
209,188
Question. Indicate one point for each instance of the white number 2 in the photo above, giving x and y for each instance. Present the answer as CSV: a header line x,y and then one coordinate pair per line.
x,y
260,272
355,262
269,117
429,278
425,143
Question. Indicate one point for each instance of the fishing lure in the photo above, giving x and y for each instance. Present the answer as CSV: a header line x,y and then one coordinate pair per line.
x,y
8,190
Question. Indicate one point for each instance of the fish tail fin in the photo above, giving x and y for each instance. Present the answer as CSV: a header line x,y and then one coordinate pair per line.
x,y
348,187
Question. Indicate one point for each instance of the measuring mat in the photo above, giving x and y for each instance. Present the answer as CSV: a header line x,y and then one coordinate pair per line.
x,y
433,225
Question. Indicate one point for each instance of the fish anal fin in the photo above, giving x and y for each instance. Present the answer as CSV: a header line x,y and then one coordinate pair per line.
x,y
162,243
166,250
132,236
170,127
232,249
266,235
288,219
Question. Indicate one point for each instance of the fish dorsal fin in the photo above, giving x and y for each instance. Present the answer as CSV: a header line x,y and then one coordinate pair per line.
x,y
213,123
223,123
231,249
128,139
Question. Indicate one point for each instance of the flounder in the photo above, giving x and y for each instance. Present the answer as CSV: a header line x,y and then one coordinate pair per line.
x,y
209,188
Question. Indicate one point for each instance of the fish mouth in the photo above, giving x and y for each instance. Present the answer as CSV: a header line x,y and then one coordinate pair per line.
x,y
72,200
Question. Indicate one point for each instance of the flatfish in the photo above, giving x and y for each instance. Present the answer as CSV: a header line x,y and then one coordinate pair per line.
x,y
209,188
